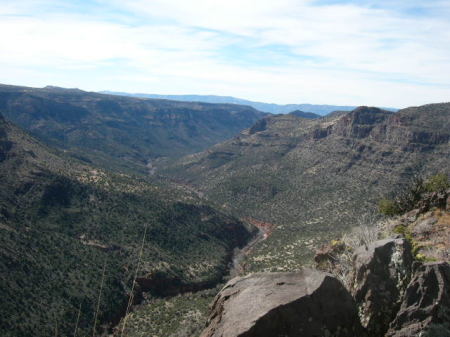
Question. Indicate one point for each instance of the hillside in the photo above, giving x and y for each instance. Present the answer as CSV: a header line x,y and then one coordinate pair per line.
x,y
122,132
312,178
64,224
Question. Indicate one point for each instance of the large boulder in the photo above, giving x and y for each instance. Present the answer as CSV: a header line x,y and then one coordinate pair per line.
x,y
425,310
305,303
381,273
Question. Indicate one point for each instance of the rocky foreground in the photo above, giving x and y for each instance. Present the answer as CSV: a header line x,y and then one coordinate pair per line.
x,y
306,303
391,290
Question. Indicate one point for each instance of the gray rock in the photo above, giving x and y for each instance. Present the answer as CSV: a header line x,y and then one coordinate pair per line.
x,y
381,273
425,310
306,303
412,215
425,227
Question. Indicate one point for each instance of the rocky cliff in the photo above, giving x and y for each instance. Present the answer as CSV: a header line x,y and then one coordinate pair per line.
x,y
390,290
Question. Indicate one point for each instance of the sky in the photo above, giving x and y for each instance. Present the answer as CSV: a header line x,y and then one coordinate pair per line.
x,y
391,53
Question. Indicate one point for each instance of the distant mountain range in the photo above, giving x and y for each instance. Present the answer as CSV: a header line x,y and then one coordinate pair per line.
x,y
320,109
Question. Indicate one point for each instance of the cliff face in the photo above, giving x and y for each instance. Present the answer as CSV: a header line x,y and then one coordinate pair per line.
x,y
414,128
313,178
360,122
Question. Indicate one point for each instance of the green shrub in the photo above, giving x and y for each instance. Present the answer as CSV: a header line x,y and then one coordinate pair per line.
x,y
437,183
407,198
388,207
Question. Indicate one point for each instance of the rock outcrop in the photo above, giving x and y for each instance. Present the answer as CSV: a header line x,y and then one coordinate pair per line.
x,y
381,274
425,309
391,291
305,303
427,227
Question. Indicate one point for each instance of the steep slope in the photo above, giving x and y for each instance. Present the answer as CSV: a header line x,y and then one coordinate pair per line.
x,y
122,132
313,178
64,224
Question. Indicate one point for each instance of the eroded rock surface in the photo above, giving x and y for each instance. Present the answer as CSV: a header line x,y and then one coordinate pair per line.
x,y
425,310
305,303
427,227
381,274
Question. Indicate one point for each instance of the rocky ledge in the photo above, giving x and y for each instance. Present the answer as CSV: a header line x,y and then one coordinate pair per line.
x,y
391,290
304,303
390,295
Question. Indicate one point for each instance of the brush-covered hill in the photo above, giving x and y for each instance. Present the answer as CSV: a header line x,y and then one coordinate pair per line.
x,y
314,177
299,113
64,224
122,132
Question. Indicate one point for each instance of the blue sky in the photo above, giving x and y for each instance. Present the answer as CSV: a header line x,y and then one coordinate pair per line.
x,y
386,53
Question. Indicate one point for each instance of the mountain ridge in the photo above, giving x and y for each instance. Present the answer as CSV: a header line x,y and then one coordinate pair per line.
x,y
320,109
123,132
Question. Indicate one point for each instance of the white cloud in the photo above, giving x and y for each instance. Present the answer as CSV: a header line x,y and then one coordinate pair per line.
x,y
337,54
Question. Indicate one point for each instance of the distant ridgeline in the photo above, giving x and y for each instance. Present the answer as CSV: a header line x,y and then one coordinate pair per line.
x,y
319,109
122,132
